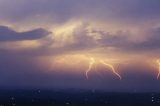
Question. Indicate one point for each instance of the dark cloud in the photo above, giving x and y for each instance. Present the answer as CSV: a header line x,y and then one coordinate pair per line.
x,y
121,40
7,34
58,11
153,40
62,10
135,11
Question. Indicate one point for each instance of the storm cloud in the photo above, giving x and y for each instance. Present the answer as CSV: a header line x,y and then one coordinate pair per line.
x,y
7,34
124,10
37,36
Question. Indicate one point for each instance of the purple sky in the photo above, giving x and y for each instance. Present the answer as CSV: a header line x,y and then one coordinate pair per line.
x,y
52,43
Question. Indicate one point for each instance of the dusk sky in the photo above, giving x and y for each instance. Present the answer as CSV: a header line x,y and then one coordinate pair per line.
x,y
113,45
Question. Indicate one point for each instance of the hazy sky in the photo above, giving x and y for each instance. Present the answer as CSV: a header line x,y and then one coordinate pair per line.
x,y
80,44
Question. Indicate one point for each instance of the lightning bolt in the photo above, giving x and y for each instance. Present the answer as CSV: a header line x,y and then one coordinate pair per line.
x,y
91,63
158,62
112,68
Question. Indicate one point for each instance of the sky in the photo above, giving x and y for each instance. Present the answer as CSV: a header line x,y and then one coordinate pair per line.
x,y
112,45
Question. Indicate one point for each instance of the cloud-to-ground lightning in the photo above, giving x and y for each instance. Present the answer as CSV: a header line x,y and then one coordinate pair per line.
x,y
158,62
112,68
92,61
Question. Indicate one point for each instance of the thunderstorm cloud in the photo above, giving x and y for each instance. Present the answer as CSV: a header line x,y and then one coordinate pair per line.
x,y
49,43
